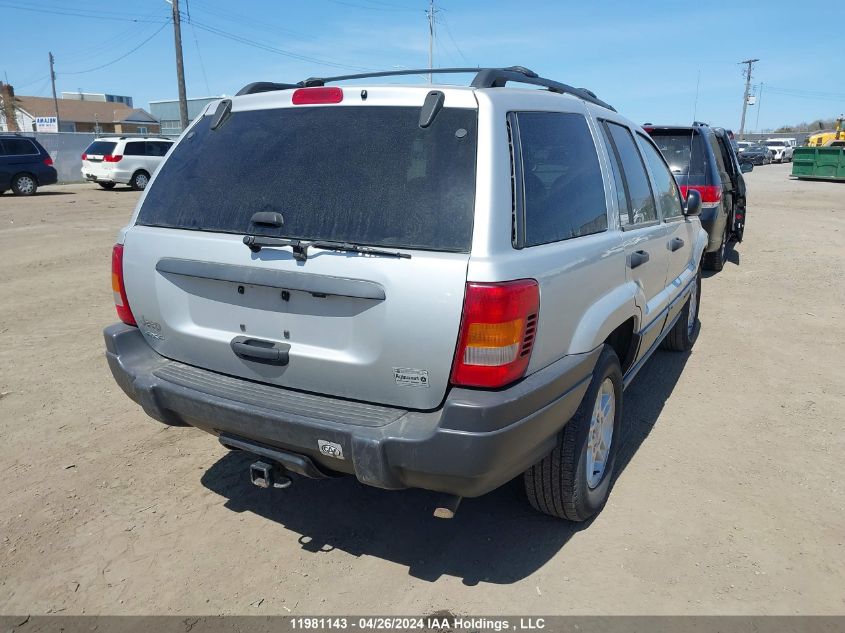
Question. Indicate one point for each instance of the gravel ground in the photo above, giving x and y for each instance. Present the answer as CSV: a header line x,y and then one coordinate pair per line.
x,y
731,499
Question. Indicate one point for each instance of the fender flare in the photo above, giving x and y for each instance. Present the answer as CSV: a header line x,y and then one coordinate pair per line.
x,y
605,315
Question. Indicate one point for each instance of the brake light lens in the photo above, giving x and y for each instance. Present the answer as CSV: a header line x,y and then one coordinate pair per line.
x,y
109,158
121,303
711,195
498,328
84,156
48,161
314,96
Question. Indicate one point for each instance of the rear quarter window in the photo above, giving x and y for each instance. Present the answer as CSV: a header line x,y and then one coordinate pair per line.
x,y
20,147
563,185
136,148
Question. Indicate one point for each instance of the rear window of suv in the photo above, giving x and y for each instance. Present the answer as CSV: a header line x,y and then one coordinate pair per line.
x,y
363,174
101,148
682,149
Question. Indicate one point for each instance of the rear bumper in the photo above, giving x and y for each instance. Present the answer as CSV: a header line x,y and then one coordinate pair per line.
x,y
48,176
475,442
713,221
98,173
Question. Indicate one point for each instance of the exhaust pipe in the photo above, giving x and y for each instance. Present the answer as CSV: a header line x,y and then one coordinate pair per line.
x,y
266,475
447,506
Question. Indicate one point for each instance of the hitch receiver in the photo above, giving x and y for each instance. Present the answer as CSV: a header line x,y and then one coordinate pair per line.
x,y
266,475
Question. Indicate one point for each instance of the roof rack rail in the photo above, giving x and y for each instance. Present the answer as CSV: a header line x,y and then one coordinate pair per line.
x,y
484,78
263,86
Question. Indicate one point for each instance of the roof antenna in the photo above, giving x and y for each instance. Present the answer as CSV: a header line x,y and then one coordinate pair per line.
x,y
695,105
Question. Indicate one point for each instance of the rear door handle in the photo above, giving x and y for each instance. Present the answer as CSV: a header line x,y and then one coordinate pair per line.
x,y
261,351
675,243
637,258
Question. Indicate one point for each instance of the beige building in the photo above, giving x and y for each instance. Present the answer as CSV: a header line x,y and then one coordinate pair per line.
x,y
84,116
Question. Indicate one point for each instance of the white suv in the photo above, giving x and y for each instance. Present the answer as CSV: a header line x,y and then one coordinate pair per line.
x,y
433,287
781,149
130,160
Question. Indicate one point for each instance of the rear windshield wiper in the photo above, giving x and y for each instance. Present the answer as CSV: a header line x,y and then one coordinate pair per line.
x,y
300,248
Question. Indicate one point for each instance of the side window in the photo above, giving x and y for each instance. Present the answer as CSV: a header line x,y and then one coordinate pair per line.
x,y
19,147
157,148
622,199
717,152
134,149
564,189
642,206
668,196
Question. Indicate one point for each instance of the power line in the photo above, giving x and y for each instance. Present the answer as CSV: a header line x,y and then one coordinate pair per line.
x,y
117,59
79,13
454,43
273,49
384,6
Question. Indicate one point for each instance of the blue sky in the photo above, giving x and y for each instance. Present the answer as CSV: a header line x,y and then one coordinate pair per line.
x,y
643,57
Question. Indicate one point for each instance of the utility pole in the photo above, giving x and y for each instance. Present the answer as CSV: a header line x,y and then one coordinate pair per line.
x,y
53,81
180,68
750,63
431,11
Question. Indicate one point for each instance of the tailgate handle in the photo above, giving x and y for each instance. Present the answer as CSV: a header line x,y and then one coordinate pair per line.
x,y
267,218
261,351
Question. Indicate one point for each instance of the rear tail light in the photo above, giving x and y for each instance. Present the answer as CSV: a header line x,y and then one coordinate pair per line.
x,y
711,195
498,328
313,96
109,158
48,161
124,312
84,156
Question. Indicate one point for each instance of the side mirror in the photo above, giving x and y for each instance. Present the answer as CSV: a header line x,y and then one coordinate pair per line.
x,y
746,167
693,206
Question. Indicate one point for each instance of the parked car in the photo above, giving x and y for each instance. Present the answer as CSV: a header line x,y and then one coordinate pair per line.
x,y
433,287
24,165
781,150
130,160
756,155
741,146
702,158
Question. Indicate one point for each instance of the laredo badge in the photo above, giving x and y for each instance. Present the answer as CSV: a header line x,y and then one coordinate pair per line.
x,y
410,377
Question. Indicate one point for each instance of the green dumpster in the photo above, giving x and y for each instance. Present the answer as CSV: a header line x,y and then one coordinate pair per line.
x,y
819,162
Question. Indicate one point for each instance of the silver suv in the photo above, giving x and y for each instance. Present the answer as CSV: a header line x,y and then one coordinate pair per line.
x,y
425,286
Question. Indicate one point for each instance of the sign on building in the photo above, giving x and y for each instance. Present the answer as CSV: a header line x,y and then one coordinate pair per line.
x,y
46,124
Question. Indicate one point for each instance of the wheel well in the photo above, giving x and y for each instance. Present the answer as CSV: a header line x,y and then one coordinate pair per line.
x,y
24,173
623,342
140,171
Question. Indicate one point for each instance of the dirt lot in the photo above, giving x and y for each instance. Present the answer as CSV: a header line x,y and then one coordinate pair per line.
x,y
732,497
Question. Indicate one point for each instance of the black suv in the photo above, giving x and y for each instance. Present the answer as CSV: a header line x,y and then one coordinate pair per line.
x,y
703,158
24,165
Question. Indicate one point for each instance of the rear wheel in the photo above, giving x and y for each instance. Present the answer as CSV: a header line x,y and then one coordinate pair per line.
x,y
716,260
24,185
573,481
139,180
106,185
682,335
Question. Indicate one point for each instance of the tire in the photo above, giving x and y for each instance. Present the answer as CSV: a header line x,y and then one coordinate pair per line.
x,y
106,185
139,181
24,185
559,485
716,260
683,334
